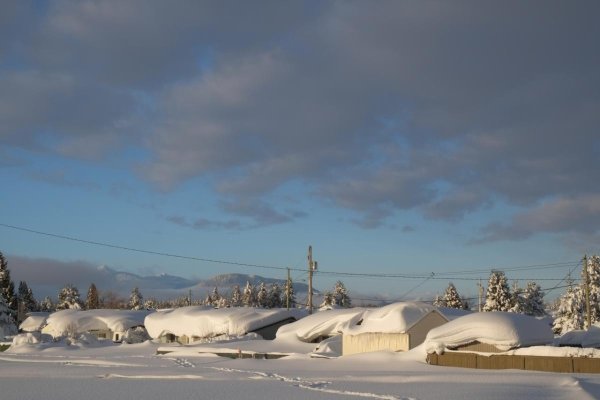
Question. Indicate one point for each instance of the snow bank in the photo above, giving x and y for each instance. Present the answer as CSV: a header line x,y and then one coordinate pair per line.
x,y
322,324
589,338
62,322
503,330
393,318
203,321
34,322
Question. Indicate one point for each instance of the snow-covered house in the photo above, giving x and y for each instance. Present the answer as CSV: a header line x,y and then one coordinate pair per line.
x,y
322,325
190,324
396,327
34,322
113,325
490,332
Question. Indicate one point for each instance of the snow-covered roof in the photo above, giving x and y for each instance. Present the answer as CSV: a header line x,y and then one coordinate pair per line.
x,y
589,338
322,323
34,322
453,313
393,318
503,330
204,321
61,322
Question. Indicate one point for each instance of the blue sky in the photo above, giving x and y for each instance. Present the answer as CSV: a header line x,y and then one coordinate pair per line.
x,y
407,138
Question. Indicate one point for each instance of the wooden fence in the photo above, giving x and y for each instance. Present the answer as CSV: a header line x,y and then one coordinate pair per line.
x,y
529,363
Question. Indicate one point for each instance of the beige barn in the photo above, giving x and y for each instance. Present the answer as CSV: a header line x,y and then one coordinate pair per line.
x,y
396,327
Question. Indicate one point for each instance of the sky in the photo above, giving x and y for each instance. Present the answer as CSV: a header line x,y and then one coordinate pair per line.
x,y
401,137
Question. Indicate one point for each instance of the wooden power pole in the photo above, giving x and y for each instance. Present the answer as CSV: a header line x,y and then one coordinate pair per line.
x,y
587,293
287,290
312,266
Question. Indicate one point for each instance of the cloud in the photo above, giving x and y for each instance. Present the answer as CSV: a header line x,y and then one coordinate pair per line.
x,y
579,214
46,275
443,109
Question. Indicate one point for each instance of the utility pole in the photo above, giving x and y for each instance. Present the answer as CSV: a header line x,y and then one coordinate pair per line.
x,y
587,293
312,266
480,291
287,290
190,298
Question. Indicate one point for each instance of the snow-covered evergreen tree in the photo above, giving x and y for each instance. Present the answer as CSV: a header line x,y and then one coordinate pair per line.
x,y
136,300
569,315
262,296
593,267
274,296
7,324
497,297
7,287
451,298
328,301
47,305
27,302
236,297
517,300
215,297
533,303
340,295
288,293
92,301
249,297
151,304
439,301
68,298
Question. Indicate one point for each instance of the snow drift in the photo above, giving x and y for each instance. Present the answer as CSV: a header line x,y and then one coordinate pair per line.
x,y
500,329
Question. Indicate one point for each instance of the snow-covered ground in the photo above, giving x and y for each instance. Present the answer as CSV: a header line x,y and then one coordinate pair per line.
x,y
106,370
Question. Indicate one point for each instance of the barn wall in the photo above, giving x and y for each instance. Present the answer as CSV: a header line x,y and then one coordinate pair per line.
x,y
366,342
419,331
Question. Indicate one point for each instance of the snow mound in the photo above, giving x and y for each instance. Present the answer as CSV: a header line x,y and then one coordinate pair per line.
x,y
201,321
26,338
500,329
589,338
64,322
393,318
324,323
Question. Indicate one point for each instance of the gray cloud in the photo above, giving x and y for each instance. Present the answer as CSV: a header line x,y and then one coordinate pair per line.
x,y
441,108
579,214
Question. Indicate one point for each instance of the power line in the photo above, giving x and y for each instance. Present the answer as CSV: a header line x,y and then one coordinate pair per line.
x,y
157,253
438,276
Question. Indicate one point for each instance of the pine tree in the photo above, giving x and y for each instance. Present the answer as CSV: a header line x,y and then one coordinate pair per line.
x,y
47,305
236,296
439,301
7,287
136,300
262,297
340,295
275,296
533,303
249,297
215,297
68,298
151,304
288,293
7,324
26,300
451,298
92,301
593,267
497,297
517,300
569,315
328,300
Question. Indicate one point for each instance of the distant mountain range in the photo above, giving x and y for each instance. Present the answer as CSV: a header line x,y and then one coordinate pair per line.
x,y
120,281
